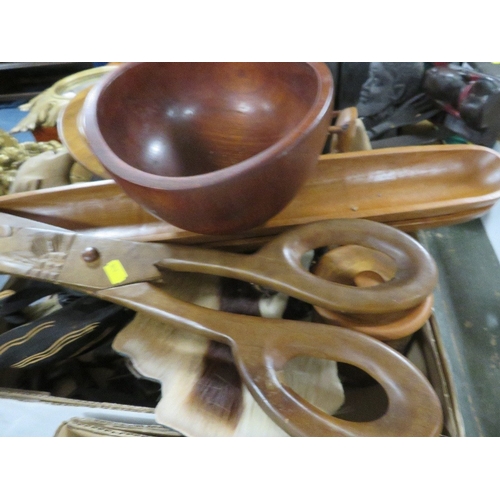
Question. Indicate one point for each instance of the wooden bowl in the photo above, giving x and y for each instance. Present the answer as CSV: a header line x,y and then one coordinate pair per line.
x,y
212,148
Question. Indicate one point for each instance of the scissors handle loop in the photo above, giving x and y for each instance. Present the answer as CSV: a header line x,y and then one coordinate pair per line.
x,y
261,348
278,265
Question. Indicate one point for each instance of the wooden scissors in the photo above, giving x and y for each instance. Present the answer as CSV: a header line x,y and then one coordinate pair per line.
x,y
132,274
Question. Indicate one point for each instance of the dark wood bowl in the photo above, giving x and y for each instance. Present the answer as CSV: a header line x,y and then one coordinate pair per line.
x,y
212,148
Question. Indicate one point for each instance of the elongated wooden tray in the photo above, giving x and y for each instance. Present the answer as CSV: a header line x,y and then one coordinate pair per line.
x,y
411,188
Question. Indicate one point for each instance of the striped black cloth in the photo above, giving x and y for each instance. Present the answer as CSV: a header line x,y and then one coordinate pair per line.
x,y
81,324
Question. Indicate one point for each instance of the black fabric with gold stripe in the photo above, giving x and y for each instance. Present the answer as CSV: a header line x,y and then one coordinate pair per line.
x,y
83,323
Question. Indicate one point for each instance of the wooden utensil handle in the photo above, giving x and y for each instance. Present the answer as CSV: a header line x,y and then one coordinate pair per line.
x,y
278,265
262,347
413,408
414,280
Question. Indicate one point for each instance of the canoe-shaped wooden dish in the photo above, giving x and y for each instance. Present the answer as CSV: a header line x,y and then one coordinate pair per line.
x,y
410,188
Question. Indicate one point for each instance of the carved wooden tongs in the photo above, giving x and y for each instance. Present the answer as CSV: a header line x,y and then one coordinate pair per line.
x,y
130,274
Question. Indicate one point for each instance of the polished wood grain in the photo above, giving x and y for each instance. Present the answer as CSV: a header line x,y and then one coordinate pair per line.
x,y
362,266
278,265
409,188
344,130
261,352
201,396
261,347
212,148
71,135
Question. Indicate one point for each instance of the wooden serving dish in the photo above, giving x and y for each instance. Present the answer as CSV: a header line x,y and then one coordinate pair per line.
x,y
410,188
70,133
213,148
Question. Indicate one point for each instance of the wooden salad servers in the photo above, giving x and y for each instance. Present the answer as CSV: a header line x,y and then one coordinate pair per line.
x,y
132,274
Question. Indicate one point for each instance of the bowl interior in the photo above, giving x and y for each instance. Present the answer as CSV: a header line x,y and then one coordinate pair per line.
x,y
185,119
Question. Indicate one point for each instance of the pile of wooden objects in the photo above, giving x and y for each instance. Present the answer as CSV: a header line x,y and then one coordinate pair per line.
x,y
250,272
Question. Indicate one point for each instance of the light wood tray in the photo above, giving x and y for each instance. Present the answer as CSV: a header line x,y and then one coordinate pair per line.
x,y
410,188
71,135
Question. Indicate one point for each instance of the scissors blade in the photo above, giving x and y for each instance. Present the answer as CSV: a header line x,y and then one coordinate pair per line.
x,y
75,260
7,220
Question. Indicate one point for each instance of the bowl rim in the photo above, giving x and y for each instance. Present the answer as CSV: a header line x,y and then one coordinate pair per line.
x,y
118,168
